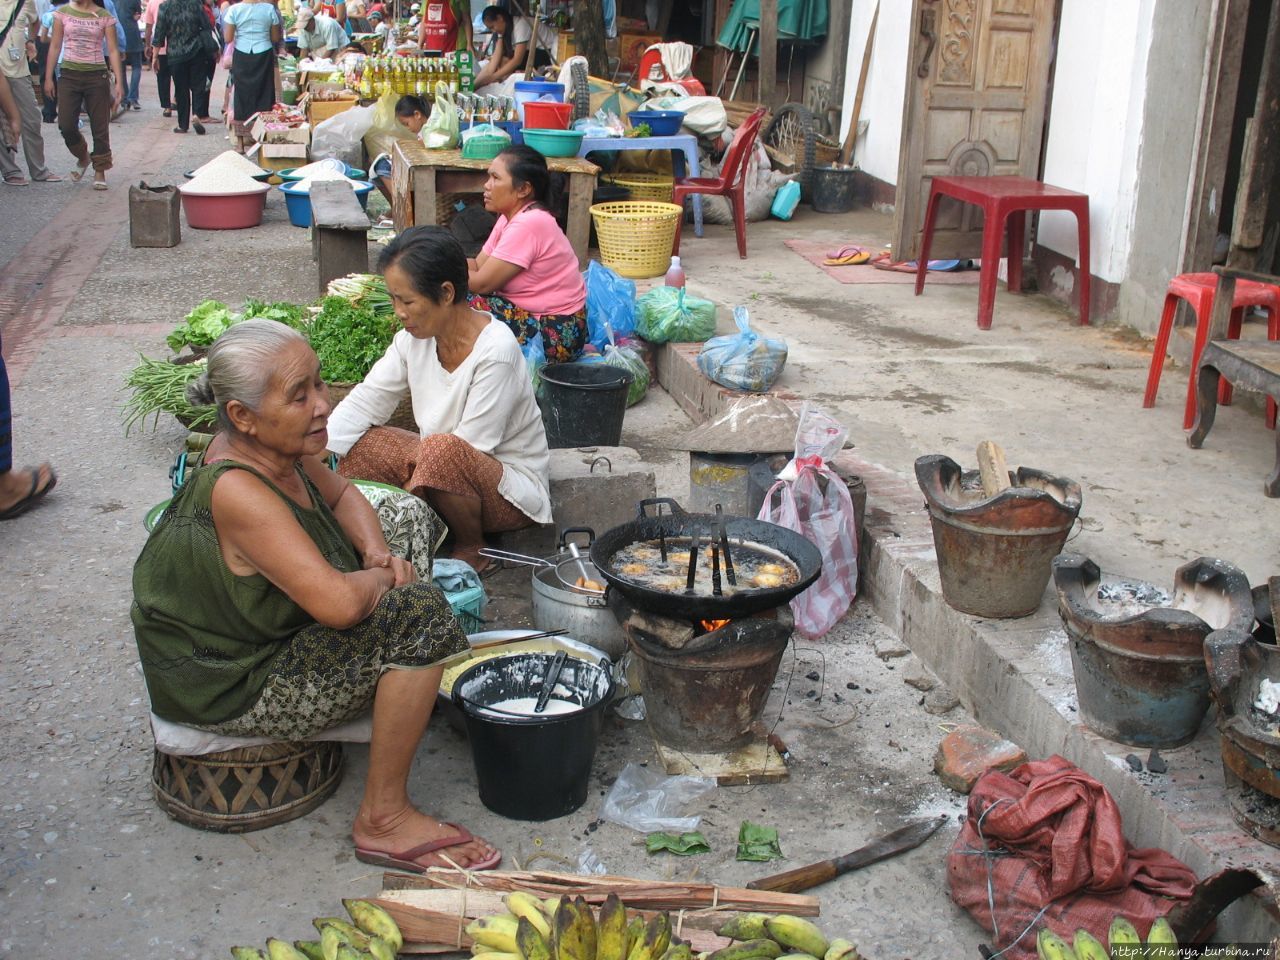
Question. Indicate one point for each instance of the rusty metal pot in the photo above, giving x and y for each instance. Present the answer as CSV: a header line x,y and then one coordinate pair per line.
x,y
994,552
1140,673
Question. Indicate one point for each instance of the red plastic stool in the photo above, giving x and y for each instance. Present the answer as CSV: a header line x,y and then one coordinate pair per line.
x,y
1198,290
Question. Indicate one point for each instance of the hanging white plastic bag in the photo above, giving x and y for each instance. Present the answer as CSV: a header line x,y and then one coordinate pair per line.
x,y
342,135
440,132
811,499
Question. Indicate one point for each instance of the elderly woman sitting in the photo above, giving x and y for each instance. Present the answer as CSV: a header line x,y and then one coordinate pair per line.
x,y
480,455
527,273
266,602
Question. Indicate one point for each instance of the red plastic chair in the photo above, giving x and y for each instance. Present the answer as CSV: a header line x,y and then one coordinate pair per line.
x,y
1198,290
731,183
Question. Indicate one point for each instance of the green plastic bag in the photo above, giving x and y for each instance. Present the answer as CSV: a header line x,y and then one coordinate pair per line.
x,y
440,132
625,358
665,313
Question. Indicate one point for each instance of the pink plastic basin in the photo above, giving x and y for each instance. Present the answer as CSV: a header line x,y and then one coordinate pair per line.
x,y
227,211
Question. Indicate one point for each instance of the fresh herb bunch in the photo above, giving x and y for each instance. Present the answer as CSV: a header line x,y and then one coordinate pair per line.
x,y
349,339
363,290
643,130
160,386
212,318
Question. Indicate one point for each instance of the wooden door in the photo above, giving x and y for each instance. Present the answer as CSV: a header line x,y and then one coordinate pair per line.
x,y
976,86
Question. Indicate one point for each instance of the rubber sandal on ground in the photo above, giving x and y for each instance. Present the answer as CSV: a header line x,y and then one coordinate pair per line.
x,y
897,267
34,495
17,180
943,266
408,860
843,251
51,178
100,185
78,173
848,257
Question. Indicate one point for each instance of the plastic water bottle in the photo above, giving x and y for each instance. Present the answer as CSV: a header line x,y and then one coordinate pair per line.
x,y
675,274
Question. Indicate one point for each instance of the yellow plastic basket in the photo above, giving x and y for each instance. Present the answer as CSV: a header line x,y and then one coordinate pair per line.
x,y
646,186
636,236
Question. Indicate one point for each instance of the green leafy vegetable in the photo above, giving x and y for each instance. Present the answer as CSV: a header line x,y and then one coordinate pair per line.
x,y
363,290
289,314
160,386
643,130
201,326
685,844
756,842
349,339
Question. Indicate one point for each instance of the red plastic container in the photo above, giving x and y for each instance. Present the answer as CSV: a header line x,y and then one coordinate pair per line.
x,y
234,211
544,115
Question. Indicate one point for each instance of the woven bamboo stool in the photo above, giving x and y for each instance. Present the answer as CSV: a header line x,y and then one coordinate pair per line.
x,y
251,788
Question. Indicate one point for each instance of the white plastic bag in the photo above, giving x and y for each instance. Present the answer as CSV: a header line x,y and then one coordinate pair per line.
x,y
342,135
647,800
826,518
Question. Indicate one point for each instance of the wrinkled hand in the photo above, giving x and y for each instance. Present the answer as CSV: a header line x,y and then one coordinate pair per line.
x,y
401,569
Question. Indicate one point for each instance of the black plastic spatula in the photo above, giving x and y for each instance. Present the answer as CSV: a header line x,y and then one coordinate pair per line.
x,y
549,684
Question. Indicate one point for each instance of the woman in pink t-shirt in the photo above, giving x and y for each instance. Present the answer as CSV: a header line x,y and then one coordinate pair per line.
x,y
526,274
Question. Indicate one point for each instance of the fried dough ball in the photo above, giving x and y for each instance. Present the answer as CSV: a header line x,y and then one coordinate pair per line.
x,y
634,569
776,569
767,580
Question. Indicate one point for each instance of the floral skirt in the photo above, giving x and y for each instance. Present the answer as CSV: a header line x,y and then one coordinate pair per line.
x,y
326,677
563,334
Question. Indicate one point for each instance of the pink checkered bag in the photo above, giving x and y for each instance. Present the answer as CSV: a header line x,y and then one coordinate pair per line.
x,y
811,499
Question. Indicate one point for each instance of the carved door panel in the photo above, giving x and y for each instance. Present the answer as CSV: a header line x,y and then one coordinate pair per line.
x,y
976,87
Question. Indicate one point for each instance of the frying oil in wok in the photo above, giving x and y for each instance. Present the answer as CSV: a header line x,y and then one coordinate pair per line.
x,y
757,567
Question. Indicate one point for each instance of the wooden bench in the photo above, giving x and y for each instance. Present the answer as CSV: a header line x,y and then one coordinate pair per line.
x,y
1250,364
339,231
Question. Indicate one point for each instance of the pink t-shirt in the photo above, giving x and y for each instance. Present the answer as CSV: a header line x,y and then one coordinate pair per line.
x,y
150,13
83,35
549,281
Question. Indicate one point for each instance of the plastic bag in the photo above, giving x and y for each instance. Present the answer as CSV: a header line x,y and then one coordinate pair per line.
x,y
647,800
611,305
441,129
342,136
384,117
535,355
666,313
811,499
743,360
629,359
485,130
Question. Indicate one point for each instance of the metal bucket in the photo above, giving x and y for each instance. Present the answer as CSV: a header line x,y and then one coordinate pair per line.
x,y
1140,673
994,552
709,701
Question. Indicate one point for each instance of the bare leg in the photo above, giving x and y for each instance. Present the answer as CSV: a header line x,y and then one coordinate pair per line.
x,y
462,514
387,821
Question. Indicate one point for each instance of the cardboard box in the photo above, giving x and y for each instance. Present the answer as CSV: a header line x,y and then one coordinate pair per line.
x,y
281,156
299,134
632,47
321,110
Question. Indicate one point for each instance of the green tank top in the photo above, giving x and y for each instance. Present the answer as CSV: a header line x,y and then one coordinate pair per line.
x,y
208,638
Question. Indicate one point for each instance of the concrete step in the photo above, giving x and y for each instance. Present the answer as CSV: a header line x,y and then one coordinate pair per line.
x,y
1015,677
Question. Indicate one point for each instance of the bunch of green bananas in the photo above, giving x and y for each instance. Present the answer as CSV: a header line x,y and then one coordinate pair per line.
x,y
372,935
761,936
1123,943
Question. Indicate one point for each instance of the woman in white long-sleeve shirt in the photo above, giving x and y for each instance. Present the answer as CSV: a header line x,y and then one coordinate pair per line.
x,y
480,456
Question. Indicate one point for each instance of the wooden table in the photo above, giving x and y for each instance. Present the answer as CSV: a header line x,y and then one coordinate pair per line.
x,y
1005,199
420,176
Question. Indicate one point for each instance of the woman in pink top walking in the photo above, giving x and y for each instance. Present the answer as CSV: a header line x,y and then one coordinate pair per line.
x,y
79,30
526,274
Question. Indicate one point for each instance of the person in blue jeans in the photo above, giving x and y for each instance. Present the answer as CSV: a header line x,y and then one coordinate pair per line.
x,y
23,489
129,12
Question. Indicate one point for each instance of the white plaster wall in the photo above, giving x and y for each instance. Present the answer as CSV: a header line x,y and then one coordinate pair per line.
x,y
877,150
1095,126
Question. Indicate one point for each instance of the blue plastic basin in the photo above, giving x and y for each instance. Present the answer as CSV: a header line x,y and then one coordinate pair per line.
x,y
298,202
662,123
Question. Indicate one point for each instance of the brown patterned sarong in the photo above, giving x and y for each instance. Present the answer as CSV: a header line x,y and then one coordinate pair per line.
x,y
439,462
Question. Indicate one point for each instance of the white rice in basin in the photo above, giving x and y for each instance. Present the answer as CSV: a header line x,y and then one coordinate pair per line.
x,y
222,182
230,160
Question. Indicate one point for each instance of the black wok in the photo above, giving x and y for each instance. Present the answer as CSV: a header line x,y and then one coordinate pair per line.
x,y
678,523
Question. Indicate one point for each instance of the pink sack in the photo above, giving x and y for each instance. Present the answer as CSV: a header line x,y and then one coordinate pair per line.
x,y
828,522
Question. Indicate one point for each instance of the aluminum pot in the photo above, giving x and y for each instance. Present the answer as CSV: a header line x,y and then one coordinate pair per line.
x,y
585,615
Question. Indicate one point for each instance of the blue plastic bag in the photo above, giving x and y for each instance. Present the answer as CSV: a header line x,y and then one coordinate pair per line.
x,y
743,360
611,305
535,355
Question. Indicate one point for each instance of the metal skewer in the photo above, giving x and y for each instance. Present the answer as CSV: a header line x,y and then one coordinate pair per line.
x,y
694,544
715,571
662,544
724,546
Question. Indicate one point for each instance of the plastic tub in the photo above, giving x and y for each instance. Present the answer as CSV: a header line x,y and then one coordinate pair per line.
x,y
352,173
224,211
261,177
540,115
554,143
583,404
298,202
533,766
662,123
527,90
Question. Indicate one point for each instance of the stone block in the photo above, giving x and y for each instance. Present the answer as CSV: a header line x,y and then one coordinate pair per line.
x,y
968,752
598,487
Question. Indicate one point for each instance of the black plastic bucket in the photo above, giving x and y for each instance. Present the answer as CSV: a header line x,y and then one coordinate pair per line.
x,y
832,189
583,404
532,766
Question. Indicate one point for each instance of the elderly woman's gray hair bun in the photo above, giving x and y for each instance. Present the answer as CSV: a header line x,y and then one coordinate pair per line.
x,y
240,364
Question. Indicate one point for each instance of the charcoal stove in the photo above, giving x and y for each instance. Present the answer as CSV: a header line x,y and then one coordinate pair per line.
x,y
705,683
1244,676
1137,652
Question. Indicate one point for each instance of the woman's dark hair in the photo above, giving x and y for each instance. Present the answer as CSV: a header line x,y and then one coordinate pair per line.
x,y
527,165
488,13
410,104
430,256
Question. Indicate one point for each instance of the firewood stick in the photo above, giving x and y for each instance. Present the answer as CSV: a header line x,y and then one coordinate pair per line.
x,y
992,468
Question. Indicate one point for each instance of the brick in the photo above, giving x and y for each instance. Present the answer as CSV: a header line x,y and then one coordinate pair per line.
x,y
968,752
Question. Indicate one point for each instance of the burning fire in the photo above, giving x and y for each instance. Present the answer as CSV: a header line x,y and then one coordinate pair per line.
x,y
713,625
